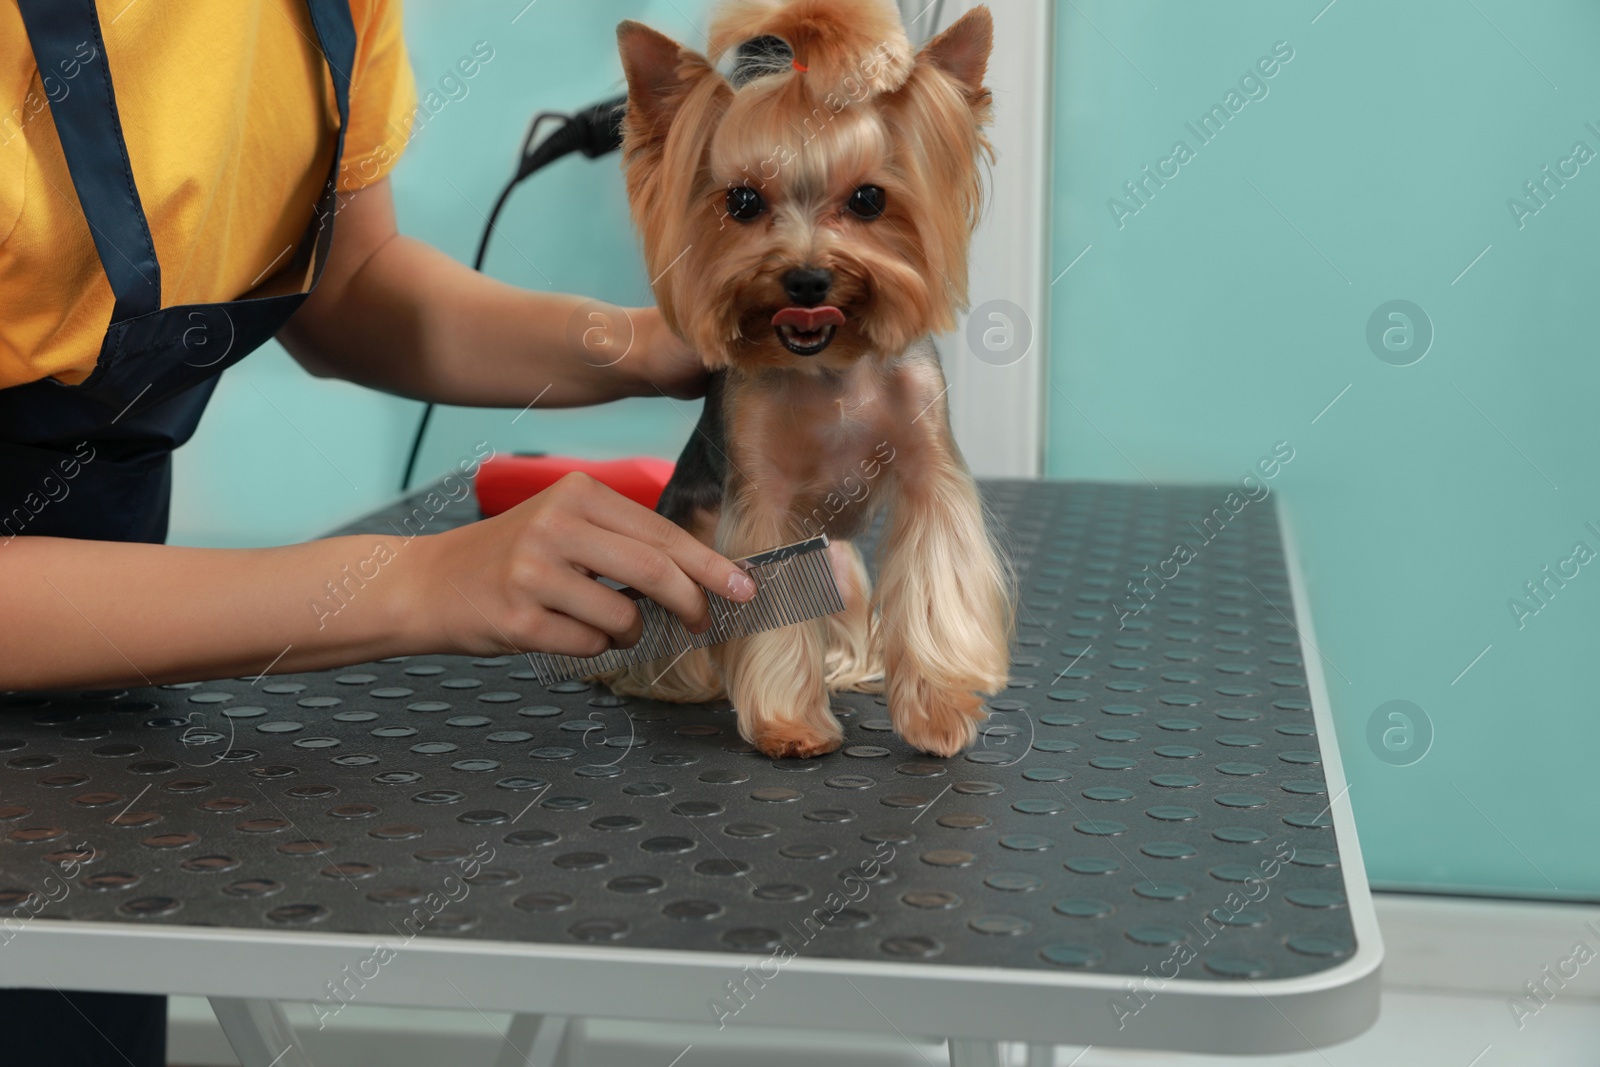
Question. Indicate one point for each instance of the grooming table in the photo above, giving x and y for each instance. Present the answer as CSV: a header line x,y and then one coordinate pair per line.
x,y
1149,846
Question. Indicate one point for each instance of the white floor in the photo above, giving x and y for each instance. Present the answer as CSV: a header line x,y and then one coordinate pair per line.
x,y
1451,970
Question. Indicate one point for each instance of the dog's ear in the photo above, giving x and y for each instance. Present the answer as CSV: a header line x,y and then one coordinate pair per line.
x,y
651,61
962,51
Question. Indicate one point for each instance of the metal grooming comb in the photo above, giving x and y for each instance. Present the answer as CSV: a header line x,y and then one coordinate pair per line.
x,y
793,583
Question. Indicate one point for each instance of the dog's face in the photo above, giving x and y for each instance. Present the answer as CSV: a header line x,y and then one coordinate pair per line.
x,y
822,210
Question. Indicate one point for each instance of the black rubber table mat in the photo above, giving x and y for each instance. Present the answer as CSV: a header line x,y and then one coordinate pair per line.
x,y
1147,794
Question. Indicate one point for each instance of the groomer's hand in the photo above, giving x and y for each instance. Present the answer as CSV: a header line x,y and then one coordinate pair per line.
x,y
664,364
524,580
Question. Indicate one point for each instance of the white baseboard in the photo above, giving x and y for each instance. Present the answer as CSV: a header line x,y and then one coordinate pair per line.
x,y
1492,947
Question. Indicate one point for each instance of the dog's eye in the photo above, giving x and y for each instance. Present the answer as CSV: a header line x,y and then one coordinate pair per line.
x,y
868,202
744,203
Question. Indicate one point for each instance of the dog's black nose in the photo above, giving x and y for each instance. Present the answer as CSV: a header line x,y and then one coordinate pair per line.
x,y
808,286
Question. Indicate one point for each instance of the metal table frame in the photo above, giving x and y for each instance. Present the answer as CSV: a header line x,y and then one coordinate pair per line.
x,y
246,972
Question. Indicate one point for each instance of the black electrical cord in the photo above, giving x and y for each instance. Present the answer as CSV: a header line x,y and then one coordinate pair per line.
x,y
477,264
594,131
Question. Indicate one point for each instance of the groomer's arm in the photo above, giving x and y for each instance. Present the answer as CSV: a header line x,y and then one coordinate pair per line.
x,y
87,614
396,314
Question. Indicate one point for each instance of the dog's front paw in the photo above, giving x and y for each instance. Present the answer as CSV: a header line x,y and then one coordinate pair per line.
x,y
796,740
940,722
691,678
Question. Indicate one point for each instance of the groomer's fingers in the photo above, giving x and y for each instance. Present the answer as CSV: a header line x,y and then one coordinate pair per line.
x,y
597,607
648,569
617,513
565,636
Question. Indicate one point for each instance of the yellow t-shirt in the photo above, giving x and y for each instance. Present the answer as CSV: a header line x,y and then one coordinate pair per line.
x,y
227,108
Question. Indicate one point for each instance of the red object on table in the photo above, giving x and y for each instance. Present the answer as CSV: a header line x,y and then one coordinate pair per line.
x,y
504,481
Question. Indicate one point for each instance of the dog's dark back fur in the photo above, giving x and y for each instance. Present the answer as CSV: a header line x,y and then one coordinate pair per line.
x,y
698,482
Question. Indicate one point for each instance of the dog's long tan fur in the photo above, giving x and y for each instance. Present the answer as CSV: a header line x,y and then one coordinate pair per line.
x,y
818,443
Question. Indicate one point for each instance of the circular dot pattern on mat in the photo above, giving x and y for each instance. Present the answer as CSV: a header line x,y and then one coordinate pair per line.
x,y
1149,777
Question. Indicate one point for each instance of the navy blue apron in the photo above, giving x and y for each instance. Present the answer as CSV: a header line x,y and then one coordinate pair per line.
x,y
157,366
108,441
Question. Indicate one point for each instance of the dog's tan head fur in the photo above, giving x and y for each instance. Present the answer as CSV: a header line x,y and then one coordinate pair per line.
x,y
822,210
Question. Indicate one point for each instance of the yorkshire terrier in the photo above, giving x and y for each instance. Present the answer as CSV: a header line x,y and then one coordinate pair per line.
x,y
806,193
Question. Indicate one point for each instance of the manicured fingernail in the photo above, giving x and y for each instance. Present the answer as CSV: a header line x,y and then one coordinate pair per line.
x,y
741,586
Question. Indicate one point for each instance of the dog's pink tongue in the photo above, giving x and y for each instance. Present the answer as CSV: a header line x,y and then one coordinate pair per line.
x,y
809,320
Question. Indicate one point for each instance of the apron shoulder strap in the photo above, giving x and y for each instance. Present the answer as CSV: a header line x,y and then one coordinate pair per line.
x,y
96,152
336,34
97,155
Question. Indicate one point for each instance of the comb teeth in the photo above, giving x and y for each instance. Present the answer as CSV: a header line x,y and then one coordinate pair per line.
x,y
793,583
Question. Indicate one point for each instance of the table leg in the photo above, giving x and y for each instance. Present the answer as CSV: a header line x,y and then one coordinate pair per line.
x,y
534,1041
965,1052
259,1032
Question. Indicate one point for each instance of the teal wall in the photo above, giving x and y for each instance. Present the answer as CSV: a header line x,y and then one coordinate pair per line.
x,y
282,456
1232,307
